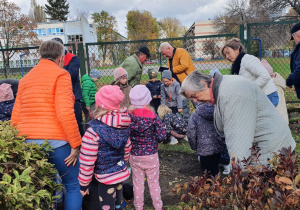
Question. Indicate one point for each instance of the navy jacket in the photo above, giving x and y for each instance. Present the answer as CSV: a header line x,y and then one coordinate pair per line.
x,y
154,87
201,132
72,65
294,78
6,108
111,147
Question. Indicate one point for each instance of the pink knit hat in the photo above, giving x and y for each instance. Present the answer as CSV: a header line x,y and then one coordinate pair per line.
x,y
109,97
6,92
120,73
140,95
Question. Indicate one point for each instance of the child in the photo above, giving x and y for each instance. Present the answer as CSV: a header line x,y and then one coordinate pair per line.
x,y
154,86
105,148
121,79
7,101
170,92
204,139
174,124
89,89
281,85
146,131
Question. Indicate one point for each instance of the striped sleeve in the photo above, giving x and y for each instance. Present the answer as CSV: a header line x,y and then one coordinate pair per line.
x,y
88,157
127,150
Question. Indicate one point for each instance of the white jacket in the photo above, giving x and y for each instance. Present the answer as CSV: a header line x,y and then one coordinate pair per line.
x,y
254,70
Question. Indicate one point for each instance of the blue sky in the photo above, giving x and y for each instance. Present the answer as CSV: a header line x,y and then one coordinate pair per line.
x,y
187,11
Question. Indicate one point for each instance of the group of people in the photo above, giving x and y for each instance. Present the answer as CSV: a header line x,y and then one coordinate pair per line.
x,y
125,121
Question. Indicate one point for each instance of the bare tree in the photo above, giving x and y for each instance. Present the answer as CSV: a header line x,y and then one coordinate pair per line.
x,y
16,30
81,14
283,4
211,48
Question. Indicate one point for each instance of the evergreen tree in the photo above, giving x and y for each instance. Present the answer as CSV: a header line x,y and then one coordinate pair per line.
x,y
57,9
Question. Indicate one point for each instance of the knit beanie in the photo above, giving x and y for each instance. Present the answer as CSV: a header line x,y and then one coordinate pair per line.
x,y
152,74
167,74
109,97
95,73
213,71
6,92
140,95
120,73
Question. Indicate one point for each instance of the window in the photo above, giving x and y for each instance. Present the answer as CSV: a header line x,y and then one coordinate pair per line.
x,y
55,31
40,32
75,38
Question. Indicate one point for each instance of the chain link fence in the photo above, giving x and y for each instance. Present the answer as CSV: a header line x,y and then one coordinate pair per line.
x,y
204,51
17,62
271,41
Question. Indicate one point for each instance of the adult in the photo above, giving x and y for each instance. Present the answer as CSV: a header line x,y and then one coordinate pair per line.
x,y
180,64
243,114
44,109
294,77
134,65
72,65
250,67
14,85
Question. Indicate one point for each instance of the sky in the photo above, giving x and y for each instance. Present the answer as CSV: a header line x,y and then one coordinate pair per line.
x,y
187,11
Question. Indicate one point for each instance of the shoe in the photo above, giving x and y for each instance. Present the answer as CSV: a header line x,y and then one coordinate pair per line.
x,y
227,169
173,141
185,139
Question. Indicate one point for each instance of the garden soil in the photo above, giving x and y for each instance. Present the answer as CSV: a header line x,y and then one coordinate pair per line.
x,y
175,167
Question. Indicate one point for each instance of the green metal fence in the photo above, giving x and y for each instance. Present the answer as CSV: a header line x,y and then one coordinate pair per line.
x,y
16,62
204,51
276,47
270,40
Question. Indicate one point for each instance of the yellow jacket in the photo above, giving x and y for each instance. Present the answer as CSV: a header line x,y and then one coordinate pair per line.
x,y
182,64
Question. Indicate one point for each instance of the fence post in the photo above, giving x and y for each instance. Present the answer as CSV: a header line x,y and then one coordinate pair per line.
x,y
81,59
88,58
248,39
242,35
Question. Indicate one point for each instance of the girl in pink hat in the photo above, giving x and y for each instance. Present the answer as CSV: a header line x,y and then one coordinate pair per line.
x,y
7,101
105,149
146,131
121,79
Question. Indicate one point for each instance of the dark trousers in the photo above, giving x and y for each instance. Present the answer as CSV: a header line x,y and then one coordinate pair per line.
x,y
174,109
155,103
91,201
78,116
86,113
210,163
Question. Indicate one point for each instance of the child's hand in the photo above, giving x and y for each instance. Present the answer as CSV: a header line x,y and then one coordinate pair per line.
x,y
179,110
154,96
85,193
158,96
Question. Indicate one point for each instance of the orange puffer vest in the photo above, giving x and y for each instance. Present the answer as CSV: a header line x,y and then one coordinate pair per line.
x,y
44,107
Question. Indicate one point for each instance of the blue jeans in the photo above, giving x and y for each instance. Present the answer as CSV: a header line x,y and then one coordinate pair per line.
x,y
274,98
69,175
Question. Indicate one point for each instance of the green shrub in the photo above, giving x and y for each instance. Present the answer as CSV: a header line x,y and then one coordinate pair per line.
x,y
27,178
247,187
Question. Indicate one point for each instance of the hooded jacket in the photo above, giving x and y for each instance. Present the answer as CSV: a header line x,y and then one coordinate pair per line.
x,y
170,95
146,131
105,148
89,89
175,123
6,108
202,135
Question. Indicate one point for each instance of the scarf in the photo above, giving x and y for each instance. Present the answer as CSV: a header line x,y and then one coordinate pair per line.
x,y
235,68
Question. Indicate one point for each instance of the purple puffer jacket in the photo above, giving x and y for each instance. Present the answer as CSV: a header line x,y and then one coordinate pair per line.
x,y
145,134
201,132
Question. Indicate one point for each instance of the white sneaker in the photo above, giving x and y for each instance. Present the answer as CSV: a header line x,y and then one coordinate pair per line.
x,y
185,139
173,141
227,169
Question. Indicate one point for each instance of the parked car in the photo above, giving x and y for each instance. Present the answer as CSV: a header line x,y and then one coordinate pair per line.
x,y
218,58
199,59
149,62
